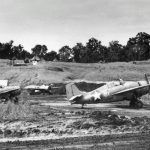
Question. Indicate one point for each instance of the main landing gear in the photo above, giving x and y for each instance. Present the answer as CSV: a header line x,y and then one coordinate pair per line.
x,y
82,106
136,103
13,99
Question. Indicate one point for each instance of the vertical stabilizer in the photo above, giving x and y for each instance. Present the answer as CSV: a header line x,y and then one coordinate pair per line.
x,y
146,78
72,90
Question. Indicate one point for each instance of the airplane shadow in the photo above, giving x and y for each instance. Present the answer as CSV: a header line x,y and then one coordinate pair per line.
x,y
121,106
145,107
84,108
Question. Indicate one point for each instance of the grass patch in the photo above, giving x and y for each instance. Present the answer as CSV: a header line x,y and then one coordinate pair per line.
x,y
13,112
62,72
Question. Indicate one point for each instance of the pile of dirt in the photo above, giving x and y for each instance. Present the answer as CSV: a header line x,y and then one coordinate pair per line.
x,y
109,118
57,69
100,120
58,123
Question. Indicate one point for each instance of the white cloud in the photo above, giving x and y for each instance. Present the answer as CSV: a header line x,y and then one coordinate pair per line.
x,y
65,22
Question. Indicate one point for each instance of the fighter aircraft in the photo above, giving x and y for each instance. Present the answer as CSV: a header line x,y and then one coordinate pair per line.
x,y
9,93
110,92
35,89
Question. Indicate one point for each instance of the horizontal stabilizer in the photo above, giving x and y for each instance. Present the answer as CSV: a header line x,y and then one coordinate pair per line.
x,y
75,97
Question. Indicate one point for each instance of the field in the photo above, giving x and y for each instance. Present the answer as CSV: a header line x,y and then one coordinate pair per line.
x,y
50,122
60,72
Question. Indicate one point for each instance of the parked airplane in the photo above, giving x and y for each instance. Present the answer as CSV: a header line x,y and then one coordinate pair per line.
x,y
9,93
35,89
110,92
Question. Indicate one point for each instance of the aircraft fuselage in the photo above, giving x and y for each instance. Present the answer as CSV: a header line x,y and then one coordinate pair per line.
x,y
107,93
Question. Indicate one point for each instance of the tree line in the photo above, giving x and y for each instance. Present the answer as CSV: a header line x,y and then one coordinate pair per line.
x,y
137,48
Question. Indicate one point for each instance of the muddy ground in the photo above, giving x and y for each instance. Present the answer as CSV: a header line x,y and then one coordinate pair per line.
x,y
54,123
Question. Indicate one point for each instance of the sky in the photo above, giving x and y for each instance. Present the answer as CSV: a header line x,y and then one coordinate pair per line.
x,y
57,23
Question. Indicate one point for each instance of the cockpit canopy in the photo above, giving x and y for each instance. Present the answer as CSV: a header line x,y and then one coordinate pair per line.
x,y
115,83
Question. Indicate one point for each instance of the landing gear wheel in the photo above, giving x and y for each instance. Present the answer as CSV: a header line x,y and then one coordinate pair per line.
x,y
136,104
15,100
132,104
82,106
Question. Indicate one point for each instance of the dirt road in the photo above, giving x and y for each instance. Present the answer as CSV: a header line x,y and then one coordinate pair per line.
x,y
61,106
117,142
121,108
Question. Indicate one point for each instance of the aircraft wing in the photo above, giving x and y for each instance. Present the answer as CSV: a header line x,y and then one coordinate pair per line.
x,y
36,87
9,89
131,90
32,87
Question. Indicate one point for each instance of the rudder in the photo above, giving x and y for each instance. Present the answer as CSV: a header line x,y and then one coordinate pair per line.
x,y
72,90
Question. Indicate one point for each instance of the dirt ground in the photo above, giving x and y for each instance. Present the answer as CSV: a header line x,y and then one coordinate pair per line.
x,y
65,126
50,122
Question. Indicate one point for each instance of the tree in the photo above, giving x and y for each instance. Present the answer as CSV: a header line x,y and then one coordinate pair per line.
x,y
25,55
78,50
16,51
6,50
50,56
95,51
39,50
65,54
103,53
115,51
1,50
138,48
92,50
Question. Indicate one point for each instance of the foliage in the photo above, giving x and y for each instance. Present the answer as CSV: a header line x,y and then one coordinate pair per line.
x,y
115,51
39,50
65,54
50,56
77,51
137,48
9,51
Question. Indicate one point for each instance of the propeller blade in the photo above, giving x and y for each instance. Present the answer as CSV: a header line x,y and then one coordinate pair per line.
x,y
146,78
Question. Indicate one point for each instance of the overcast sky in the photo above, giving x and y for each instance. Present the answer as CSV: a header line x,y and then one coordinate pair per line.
x,y
56,23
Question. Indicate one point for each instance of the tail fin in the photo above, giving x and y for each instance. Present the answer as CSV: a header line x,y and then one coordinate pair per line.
x,y
72,90
146,78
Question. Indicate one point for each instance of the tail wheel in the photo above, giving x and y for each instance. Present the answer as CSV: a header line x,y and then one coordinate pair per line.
x,y
138,104
16,100
132,104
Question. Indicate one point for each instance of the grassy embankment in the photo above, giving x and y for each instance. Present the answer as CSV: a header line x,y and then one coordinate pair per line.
x,y
60,72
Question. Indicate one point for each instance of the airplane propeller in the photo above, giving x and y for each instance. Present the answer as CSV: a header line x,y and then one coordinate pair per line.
x,y
146,78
